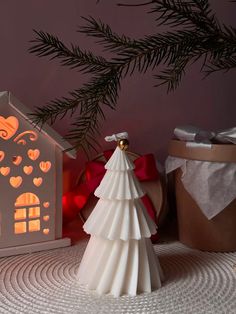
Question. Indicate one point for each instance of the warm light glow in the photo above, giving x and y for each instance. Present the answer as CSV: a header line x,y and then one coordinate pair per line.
x,y
2,155
38,181
45,166
34,225
28,170
46,231
33,136
80,200
34,212
31,210
16,160
46,204
33,154
20,227
20,214
15,181
8,127
46,217
27,199
5,171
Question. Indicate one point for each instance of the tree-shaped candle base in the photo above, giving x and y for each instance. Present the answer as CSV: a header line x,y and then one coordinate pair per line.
x,y
119,258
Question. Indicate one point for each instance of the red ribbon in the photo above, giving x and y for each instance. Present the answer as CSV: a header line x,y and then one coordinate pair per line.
x,y
73,201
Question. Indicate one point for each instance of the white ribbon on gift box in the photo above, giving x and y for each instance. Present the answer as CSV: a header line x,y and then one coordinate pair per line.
x,y
196,137
211,184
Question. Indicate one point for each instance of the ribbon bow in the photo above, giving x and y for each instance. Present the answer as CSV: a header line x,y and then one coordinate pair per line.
x,y
74,201
198,137
116,137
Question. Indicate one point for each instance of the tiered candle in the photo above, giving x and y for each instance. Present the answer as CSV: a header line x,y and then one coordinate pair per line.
x,y
119,258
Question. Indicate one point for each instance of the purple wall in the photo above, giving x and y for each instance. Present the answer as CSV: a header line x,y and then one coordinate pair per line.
x,y
147,113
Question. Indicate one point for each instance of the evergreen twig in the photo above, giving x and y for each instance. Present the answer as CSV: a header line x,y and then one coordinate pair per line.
x,y
194,34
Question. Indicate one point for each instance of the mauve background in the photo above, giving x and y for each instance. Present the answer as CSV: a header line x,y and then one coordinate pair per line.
x,y
147,113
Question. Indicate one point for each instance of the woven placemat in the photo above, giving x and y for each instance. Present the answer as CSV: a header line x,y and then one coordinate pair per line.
x,y
45,282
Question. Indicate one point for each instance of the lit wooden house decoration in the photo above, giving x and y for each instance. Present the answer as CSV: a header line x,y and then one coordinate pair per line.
x,y
30,182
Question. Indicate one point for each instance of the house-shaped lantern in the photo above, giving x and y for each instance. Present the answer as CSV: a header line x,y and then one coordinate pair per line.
x,y
30,182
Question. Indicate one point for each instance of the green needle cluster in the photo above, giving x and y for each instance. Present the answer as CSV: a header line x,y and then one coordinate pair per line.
x,y
193,33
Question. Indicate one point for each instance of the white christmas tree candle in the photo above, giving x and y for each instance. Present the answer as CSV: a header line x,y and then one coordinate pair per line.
x,y
119,258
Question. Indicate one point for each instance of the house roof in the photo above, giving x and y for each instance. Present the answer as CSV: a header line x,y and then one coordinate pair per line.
x,y
6,97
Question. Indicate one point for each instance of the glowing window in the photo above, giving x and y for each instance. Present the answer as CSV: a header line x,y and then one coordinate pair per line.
x,y
34,225
34,212
20,227
46,217
20,214
27,199
27,208
46,231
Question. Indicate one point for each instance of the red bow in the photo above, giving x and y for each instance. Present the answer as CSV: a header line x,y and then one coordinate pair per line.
x,y
145,170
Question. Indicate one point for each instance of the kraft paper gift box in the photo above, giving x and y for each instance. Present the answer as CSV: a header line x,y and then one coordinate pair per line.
x,y
205,191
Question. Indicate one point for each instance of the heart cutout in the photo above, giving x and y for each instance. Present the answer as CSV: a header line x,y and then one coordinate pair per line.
x,y
8,127
16,160
45,166
46,204
2,155
5,171
46,217
28,169
37,181
33,154
15,181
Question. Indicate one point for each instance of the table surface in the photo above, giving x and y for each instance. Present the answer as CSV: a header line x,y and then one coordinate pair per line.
x,y
45,282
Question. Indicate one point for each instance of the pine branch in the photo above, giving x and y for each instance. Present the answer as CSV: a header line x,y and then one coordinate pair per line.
x,y
195,34
86,127
89,99
46,44
146,53
103,88
105,36
172,76
220,65
190,13
150,51
193,14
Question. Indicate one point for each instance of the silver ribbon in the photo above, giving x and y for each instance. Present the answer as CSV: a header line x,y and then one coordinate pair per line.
x,y
117,137
195,137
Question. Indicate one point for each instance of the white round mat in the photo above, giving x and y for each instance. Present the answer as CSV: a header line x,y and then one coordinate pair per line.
x,y
45,282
